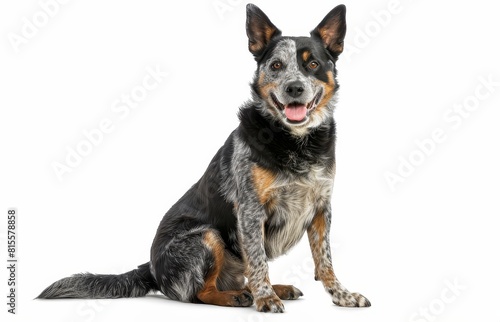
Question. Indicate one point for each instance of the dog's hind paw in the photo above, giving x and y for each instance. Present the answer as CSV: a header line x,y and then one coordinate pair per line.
x,y
244,298
287,292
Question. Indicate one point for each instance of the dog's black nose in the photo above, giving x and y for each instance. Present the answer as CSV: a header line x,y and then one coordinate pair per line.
x,y
294,89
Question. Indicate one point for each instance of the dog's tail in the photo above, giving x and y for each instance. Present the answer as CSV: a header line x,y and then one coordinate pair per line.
x,y
135,283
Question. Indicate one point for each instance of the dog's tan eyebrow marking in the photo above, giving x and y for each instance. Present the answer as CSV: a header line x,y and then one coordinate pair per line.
x,y
305,55
263,180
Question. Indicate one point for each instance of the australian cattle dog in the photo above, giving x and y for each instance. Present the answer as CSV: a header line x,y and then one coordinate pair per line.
x,y
268,184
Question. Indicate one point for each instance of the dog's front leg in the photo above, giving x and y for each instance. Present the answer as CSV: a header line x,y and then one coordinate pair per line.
x,y
318,233
251,218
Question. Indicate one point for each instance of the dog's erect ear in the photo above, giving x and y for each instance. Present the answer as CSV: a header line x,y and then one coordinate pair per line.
x,y
331,30
260,30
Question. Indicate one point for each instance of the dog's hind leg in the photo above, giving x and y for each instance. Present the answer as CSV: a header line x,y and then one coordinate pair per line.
x,y
189,268
210,294
179,264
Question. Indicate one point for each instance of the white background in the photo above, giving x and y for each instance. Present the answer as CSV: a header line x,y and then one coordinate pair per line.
x,y
400,247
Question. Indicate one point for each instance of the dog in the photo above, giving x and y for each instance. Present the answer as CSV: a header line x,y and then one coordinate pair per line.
x,y
268,184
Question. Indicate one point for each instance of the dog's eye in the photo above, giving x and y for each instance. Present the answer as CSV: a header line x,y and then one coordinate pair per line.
x,y
276,65
313,65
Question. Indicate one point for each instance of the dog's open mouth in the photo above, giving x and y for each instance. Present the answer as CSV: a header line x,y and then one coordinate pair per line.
x,y
296,112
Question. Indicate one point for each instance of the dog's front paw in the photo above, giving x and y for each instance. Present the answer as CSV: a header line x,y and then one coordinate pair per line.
x,y
348,299
270,303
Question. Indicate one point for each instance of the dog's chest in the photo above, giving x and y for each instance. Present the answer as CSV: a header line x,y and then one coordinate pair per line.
x,y
292,204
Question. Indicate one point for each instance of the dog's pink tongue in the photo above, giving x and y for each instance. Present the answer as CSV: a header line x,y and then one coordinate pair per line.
x,y
295,112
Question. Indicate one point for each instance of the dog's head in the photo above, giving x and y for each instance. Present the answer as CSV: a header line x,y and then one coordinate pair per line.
x,y
295,79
